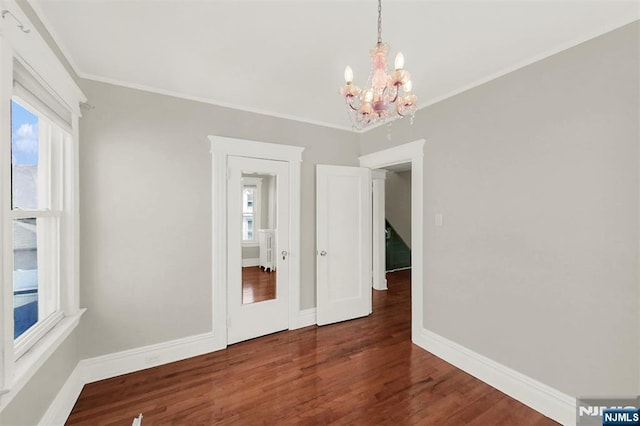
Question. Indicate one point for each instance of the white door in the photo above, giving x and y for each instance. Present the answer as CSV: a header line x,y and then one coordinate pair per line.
x,y
246,318
343,226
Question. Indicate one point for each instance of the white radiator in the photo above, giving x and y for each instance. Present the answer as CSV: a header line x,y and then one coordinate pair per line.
x,y
267,241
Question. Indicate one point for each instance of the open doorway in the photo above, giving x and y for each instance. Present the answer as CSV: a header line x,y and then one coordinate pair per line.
x,y
411,153
397,223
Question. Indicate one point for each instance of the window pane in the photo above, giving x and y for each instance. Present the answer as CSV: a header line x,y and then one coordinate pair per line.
x,y
247,199
24,158
25,275
247,228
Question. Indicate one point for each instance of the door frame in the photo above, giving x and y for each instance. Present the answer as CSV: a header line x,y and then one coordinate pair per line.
x,y
221,148
412,152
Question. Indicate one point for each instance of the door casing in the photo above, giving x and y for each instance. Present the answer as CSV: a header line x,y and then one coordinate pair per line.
x,y
412,152
221,149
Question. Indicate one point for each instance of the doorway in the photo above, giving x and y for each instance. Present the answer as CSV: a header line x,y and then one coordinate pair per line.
x,y
411,153
397,218
232,161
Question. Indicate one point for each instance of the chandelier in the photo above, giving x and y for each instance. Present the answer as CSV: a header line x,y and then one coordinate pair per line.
x,y
386,94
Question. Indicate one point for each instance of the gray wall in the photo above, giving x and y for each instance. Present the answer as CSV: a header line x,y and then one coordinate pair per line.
x,y
397,203
146,210
536,173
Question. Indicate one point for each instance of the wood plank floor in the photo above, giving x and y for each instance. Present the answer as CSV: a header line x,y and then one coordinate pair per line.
x,y
360,372
257,285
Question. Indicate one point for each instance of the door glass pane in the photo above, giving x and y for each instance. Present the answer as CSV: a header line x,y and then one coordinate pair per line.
x,y
25,275
248,193
24,158
259,276
247,227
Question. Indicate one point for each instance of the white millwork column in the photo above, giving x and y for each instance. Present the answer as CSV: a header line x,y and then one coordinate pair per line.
x,y
379,253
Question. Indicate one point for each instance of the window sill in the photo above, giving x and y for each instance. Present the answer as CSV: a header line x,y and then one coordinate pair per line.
x,y
29,363
250,244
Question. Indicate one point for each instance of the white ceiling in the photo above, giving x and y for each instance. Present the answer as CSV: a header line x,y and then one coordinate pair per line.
x,y
286,58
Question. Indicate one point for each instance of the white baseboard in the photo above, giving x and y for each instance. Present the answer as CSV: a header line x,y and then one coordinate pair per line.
x,y
112,365
545,399
63,403
306,318
116,364
383,286
250,262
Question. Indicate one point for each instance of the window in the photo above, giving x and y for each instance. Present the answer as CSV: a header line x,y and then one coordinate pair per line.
x,y
37,187
39,253
251,195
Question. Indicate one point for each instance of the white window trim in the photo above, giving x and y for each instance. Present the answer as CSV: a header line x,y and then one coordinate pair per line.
x,y
257,209
51,148
31,49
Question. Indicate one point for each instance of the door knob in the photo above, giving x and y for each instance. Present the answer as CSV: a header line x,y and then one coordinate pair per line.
x,y
284,254
323,253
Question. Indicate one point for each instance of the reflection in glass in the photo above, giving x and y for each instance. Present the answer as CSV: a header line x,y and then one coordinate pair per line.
x,y
25,275
24,158
248,195
258,235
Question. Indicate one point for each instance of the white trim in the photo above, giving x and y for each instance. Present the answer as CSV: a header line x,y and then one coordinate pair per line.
x,y
409,152
250,262
33,335
7,358
219,245
35,5
255,149
221,148
32,49
306,318
116,364
61,406
31,361
378,178
208,101
112,365
543,398
399,269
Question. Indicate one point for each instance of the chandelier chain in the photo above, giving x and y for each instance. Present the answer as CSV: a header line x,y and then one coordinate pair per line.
x,y
379,21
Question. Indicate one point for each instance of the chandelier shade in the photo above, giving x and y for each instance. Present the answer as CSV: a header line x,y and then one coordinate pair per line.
x,y
387,93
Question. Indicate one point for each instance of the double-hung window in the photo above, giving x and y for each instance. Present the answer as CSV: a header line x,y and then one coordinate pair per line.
x,y
37,191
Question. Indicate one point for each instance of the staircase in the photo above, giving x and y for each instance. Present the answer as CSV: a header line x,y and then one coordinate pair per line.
x,y
398,255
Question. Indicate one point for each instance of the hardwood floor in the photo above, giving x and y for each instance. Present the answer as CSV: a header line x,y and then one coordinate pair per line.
x,y
257,285
359,372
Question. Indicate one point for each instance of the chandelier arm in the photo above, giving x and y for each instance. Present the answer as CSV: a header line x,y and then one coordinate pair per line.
x,y
395,96
350,100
